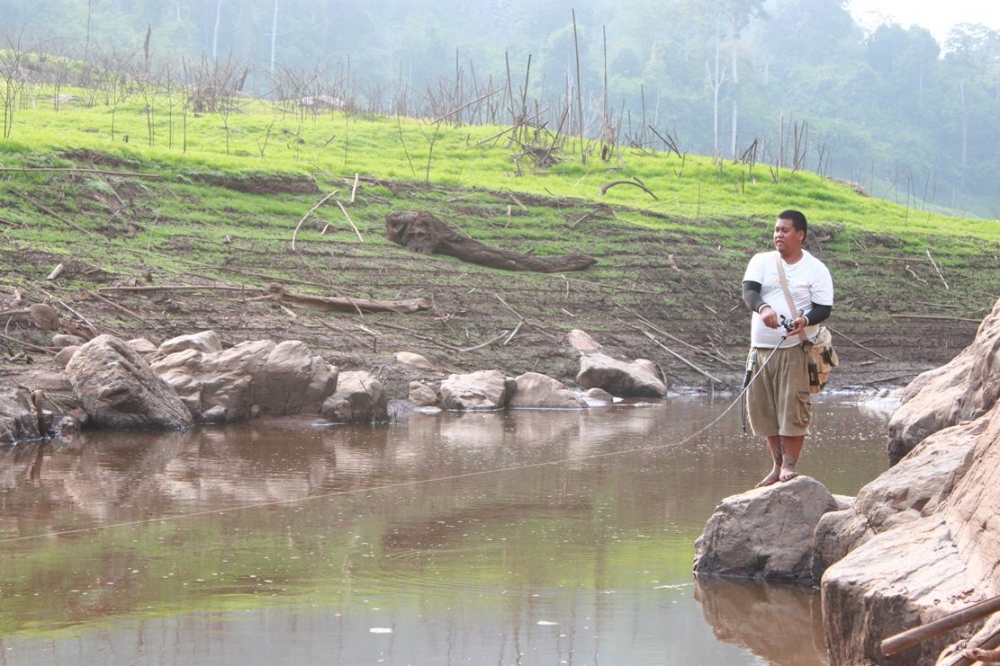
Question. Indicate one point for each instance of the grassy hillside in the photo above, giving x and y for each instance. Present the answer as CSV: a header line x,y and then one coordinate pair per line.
x,y
145,192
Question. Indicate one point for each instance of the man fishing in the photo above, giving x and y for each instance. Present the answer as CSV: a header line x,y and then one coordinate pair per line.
x,y
789,291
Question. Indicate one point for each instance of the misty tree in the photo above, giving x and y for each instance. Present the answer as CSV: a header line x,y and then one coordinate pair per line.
x,y
14,81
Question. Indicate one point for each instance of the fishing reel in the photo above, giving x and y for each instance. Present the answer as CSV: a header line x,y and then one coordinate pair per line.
x,y
788,324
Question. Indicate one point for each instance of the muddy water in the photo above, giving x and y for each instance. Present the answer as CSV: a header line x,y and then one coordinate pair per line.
x,y
527,537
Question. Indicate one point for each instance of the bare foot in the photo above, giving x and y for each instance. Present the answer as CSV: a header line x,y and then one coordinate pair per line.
x,y
769,480
787,474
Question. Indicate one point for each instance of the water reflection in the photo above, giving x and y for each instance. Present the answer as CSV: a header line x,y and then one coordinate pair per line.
x,y
780,623
511,538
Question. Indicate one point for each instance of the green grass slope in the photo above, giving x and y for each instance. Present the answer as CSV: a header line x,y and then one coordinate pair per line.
x,y
211,207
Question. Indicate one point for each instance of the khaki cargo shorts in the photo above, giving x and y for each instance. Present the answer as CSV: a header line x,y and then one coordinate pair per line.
x,y
778,400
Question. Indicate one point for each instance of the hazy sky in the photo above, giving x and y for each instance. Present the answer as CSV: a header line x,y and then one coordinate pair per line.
x,y
938,16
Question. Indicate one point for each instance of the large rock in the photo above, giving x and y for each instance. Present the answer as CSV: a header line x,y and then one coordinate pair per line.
x,y
118,389
921,480
928,547
482,390
930,544
249,379
293,380
359,398
203,341
765,533
623,379
18,418
538,391
895,581
961,390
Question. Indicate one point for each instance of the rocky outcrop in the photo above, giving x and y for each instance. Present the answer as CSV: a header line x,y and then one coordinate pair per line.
x,y
765,533
623,379
961,390
119,391
217,383
253,378
923,540
908,567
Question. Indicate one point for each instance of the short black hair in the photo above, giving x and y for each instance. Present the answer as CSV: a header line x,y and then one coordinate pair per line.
x,y
797,219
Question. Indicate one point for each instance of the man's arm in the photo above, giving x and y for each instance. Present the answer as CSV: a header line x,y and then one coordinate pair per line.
x,y
752,297
816,314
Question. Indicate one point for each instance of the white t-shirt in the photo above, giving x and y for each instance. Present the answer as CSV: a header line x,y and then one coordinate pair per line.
x,y
809,281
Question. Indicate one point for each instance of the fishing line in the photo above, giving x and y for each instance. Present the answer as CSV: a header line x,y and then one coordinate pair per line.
x,y
401,484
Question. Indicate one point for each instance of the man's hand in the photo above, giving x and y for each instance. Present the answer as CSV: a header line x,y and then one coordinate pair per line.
x,y
769,317
799,326
771,320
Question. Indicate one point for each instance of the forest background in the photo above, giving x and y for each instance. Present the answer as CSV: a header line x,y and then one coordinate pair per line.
x,y
791,83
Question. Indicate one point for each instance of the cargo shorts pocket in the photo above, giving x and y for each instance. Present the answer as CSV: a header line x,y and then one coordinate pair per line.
x,y
802,416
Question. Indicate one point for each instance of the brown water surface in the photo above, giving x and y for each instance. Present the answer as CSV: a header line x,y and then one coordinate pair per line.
x,y
524,537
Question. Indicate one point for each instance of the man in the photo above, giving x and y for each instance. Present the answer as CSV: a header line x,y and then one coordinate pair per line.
x,y
779,405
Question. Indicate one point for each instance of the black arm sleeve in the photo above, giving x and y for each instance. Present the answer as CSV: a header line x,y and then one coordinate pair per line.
x,y
751,295
817,313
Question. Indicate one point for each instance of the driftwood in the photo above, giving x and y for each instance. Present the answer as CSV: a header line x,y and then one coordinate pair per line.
x,y
421,232
911,637
277,293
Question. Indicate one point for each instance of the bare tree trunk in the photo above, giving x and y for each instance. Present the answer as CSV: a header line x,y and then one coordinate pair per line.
x,y
86,48
716,79
579,92
274,35
215,31
735,128
965,124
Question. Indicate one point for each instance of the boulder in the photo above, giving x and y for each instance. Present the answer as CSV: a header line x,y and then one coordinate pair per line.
x,y
895,581
598,396
765,533
18,418
249,379
582,342
929,548
623,379
537,391
962,390
62,357
203,341
482,390
359,398
118,390
921,480
422,395
142,346
415,360
293,380
837,533
62,340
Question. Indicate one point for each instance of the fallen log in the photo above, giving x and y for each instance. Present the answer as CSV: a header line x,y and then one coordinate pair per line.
x,y
277,293
421,232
